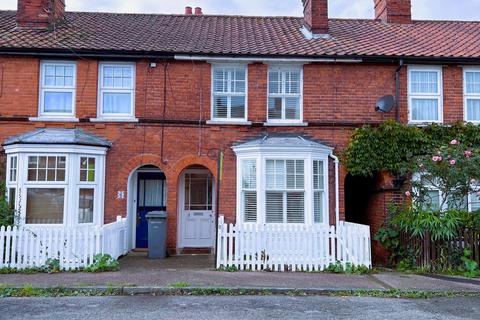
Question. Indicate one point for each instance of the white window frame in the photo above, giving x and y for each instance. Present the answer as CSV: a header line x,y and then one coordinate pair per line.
x,y
115,117
71,185
469,96
229,119
261,155
56,116
284,121
323,191
438,96
244,190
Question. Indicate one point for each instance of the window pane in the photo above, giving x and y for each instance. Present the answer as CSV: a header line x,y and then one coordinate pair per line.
x,y
474,202
295,207
238,81
87,169
425,109
238,107
318,177
275,82
45,206
473,109
250,206
292,82
12,197
220,80
117,103
58,102
274,206
473,82
292,108
274,108
424,82
154,193
199,189
86,199
249,174
318,206
220,107
431,200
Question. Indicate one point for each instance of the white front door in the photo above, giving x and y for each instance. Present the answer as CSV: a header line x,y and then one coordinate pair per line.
x,y
197,218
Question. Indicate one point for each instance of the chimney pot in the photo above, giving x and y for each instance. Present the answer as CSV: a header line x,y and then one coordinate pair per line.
x,y
188,11
393,11
198,11
315,16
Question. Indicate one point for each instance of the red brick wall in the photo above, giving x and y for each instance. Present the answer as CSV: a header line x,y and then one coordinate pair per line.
x,y
337,97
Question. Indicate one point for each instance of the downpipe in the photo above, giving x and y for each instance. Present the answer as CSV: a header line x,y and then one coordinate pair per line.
x,y
337,191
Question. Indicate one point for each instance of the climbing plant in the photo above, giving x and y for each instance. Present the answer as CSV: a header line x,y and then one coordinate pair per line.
x,y
392,146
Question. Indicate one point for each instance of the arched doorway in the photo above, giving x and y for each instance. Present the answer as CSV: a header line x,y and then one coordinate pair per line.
x,y
147,192
358,194
196,214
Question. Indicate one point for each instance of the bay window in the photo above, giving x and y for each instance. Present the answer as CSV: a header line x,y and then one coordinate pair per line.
x,y
116,91
229,93
472,94
57,89
285,88
425,94
282,180
56,187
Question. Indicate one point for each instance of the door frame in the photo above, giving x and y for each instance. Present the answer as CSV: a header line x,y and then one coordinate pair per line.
x,y
132,195
181,204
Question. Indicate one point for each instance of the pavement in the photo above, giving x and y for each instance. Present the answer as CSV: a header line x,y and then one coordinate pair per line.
x,y
242,308
139,274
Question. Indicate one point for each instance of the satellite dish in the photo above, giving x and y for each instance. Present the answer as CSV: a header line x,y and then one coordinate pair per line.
x,y
385,104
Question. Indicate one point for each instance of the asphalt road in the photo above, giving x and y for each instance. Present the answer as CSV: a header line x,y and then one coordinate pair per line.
x,y
245,307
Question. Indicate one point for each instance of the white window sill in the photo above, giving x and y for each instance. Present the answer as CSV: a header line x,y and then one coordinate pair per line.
x,y
285,124
54,119
424,123
113,119
236,123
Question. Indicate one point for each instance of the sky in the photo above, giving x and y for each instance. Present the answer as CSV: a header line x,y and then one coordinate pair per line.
x,y
422,9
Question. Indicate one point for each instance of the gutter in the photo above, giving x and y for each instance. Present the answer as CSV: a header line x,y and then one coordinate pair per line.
x,y
397,91
337,191
280,59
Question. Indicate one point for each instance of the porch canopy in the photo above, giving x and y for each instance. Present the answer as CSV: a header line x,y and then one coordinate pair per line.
x,y
283,178
56,177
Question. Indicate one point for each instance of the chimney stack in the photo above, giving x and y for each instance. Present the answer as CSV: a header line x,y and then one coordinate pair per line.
x,y
198,11
393,11
39,14
188,11
315,16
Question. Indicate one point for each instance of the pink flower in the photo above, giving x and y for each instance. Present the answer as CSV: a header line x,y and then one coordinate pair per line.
x,y
453,162
435,158
408,194
468,154
453,142
440,158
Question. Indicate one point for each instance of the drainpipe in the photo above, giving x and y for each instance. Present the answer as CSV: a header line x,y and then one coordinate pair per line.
x,y
337,191
397,91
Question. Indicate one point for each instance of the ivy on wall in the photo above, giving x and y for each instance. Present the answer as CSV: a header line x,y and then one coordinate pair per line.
x,y
392,146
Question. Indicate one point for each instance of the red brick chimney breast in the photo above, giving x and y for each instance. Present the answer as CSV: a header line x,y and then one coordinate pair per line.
x,y
39,14
393,11
315,16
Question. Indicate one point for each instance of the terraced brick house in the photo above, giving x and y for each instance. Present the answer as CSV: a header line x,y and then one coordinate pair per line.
x,y
105,115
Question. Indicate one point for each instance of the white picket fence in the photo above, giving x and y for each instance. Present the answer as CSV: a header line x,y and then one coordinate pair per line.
x,y
25,247
292,247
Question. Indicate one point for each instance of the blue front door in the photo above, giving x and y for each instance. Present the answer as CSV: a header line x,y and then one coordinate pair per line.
x,y
150,197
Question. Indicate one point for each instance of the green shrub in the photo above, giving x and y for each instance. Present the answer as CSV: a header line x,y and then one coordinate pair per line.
x,y
103,263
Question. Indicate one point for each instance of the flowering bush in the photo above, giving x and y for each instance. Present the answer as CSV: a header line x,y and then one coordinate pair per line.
x,y
449,175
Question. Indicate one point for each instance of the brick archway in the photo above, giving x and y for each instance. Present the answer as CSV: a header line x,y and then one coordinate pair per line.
x,y
174,197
